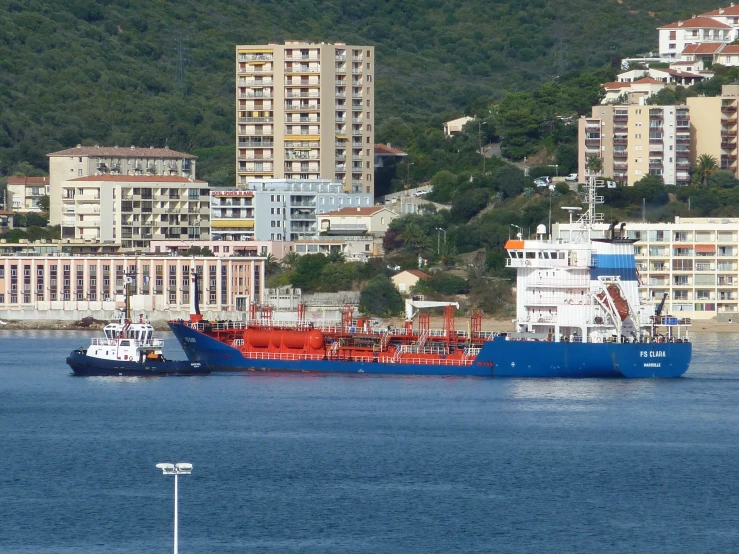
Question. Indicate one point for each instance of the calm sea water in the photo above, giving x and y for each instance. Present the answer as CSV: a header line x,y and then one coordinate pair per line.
x,y
339,464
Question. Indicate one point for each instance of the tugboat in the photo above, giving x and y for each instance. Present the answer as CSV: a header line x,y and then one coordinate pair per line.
x,y
129,349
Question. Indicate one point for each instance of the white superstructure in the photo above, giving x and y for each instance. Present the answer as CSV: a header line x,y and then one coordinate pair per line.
x,y
583,286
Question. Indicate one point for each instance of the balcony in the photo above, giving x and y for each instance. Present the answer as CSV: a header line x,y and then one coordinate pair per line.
x,y
621,116
620,154
592,141
254,70
653,164
728,109
682,139
620,165
256,144
683,164
256,119
618,140
620,129
255,57
296,94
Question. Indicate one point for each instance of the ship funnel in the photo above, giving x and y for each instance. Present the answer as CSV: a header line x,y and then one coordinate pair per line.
x,y
194,300
612,229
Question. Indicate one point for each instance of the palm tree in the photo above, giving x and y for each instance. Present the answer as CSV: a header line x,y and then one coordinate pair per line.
x,y
270,264
595,165
336,256
705,167
290,260
414,237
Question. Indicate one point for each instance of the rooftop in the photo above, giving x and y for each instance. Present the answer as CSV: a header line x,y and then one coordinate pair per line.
x,y
138,179
697,23
703,48
723,12
121,151
28,180
370,210
388,150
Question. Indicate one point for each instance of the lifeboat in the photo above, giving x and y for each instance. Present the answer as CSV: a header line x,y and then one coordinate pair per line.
x,y
614,292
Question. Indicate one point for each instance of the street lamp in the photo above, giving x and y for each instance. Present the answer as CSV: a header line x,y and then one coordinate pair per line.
x,y
408,173
438,236
175,469
520,230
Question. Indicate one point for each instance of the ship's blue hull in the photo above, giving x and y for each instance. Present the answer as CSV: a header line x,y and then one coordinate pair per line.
x,y
498,357
88,366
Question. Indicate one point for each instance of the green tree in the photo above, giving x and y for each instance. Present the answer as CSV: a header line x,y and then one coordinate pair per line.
x,y
380,298
195,250
308,272
44,203
290,260
595,165
705,167
414,237
336,256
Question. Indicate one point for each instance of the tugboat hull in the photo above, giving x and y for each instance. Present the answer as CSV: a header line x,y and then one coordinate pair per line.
x,y
88,366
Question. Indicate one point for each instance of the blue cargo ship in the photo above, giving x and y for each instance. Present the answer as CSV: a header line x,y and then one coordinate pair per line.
x,y
578,314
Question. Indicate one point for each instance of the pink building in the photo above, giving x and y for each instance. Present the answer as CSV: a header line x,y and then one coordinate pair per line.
x,y
160,283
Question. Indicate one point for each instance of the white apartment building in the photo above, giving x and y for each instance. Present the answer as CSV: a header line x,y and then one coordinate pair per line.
x,y
25,193
693,260
278,209
305,111
133,210
673,38
85,161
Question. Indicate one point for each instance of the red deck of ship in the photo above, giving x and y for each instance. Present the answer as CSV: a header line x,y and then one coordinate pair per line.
x,y
352,340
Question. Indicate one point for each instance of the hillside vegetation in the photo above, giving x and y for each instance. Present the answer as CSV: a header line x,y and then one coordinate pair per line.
x,y
87,71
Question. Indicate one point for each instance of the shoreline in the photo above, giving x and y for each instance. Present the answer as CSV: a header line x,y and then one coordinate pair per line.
x,y
488,324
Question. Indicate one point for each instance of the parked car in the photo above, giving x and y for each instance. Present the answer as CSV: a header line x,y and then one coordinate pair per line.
x,y
541,182
571,178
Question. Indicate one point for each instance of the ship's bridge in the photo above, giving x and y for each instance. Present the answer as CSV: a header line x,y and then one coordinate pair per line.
x,y
543,253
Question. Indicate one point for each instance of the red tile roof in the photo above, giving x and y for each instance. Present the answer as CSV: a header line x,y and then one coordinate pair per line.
x,y
28,180
697,23
702,48
730,49
3,212
417,273
614,85
649,80
121,151
387,150
369,210
722,12
138,179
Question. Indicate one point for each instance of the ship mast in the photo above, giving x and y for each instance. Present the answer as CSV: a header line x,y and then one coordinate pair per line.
x,y
590,197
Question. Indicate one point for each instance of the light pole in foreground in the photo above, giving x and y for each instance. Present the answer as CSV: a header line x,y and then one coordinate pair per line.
x,y
175,469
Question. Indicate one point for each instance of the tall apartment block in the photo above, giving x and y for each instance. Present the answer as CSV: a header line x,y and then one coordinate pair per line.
x,y
85,161
305,111
634,141
715,127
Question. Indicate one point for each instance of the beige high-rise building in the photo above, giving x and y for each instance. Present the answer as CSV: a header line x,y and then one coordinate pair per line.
x,y
714,121
305,111
635,141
